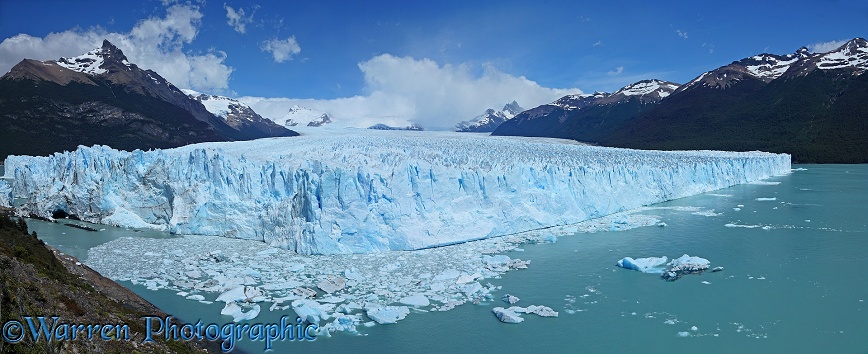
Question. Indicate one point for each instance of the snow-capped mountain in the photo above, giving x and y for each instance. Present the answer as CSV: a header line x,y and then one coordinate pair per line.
x,y
811,105
588,112
490,120
301,116
237,114
579,101
100,97
381,126
850,59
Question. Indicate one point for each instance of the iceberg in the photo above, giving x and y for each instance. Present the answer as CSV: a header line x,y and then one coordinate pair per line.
x,y
644,265
387,314
363,191
675,269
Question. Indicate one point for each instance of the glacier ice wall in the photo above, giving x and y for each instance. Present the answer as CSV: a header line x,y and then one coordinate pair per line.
x,y
369,192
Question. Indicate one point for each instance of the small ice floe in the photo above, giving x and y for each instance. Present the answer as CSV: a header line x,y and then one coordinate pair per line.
x,y
684,334
510,299
644,265
237,311
507,316
675,269
332,283
417,300
766,199
387,314
736,209
685,265
706,282
512,314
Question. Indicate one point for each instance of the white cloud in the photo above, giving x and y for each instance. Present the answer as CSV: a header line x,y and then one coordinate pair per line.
x,y
154,43
617,71
236,19
823,47
403,90
281,50
598,43
681,34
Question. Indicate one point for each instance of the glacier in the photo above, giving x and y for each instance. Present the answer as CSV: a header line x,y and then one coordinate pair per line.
x,y
361,191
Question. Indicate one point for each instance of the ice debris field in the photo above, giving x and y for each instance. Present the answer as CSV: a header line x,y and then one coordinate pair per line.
x,y
364,191
339,292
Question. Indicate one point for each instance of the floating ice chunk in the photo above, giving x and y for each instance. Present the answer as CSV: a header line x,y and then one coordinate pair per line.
x,y
684,334
468,278
304,293
332,283
387,314
311,311
507,316
694,328
344,323
448,274
706,282
542,311
644,265
685,265
766,199
195,297
242,293
496,261
510,299
237,312
353,274
417,300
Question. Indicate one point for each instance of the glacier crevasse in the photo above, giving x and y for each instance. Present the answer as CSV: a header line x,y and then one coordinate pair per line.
x,y
369,192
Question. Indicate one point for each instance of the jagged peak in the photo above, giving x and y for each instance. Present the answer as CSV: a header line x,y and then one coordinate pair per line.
x,y
96,62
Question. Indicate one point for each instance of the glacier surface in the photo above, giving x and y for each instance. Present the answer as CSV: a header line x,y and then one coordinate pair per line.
x,y
359,191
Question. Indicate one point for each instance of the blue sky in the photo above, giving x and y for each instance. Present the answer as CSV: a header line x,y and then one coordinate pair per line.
x,y
386,60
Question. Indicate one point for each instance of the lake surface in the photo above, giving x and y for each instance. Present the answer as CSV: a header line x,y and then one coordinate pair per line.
x,y
793,281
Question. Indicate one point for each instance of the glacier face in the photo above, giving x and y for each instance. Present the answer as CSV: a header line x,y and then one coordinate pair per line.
x,y
366,191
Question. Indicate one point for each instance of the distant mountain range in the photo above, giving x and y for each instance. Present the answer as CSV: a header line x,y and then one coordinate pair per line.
x,y
305,117
389,127
102,98
490,120
811,105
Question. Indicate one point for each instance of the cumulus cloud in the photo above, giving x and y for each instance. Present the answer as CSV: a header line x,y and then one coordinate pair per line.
x,y
404,90
281,50
681,34
236,18
154,43
617,71
823,47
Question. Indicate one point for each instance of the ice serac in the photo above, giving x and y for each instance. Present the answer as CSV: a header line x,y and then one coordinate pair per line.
x,y
369,191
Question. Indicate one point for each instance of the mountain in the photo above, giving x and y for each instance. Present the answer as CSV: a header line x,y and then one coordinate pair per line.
x,y
239,116
588,117
305,117
100,98
388,127
490,120
810,105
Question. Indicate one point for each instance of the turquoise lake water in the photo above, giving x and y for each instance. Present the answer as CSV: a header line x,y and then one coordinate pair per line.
x,y
793,281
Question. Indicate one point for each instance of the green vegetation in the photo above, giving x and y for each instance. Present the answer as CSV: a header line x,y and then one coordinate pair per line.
x,y
33,282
